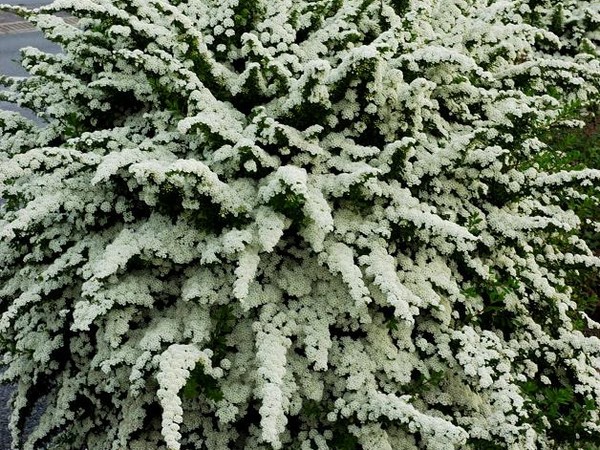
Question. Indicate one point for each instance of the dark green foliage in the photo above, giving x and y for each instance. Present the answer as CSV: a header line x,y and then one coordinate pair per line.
x,y
343,439
421,382
169,202
224,320
577,148
494,315
289,204
558,403
565,410
200,384
400,6
473,224
317,12
482,444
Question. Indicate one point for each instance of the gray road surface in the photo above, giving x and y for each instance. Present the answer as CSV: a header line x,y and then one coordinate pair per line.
x,y
9,57
28,3
9,51
5,17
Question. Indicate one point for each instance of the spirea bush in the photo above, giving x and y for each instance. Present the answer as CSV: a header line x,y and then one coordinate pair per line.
x,y
307,224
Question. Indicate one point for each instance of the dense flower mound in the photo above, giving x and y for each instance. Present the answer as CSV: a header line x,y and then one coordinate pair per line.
x,y
299,224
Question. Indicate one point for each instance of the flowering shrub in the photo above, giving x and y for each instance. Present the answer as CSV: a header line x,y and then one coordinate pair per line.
x,y
575,148
269,224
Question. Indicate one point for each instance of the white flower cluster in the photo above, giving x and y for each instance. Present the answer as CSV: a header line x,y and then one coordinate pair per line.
x,y
268,224
174,370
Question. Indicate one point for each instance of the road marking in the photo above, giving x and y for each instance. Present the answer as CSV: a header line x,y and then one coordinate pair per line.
x,y
16,27
25,27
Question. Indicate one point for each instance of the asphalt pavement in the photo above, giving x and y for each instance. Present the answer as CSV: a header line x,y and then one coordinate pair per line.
x,y
28,3
9,57
10,43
